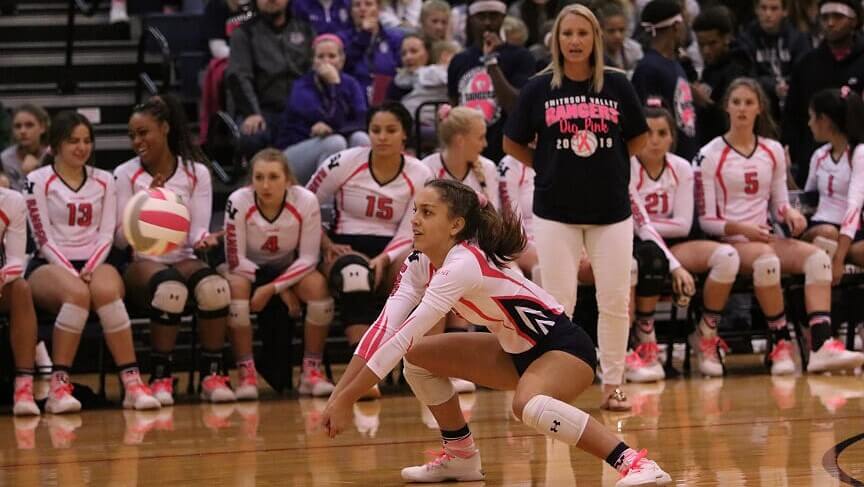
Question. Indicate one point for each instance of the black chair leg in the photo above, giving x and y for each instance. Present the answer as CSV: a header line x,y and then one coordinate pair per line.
x,y
193,354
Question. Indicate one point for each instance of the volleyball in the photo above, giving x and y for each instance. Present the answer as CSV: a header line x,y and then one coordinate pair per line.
x,y
155,222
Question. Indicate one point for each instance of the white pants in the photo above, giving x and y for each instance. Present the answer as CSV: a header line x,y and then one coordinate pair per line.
x,y
610,249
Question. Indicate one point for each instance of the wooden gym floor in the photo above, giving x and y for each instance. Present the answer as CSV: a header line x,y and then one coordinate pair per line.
x,y
742,430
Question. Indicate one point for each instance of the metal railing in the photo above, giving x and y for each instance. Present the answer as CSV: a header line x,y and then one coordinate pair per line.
x,y
68,84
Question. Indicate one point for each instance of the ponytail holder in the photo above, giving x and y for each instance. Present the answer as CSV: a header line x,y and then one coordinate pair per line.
x,y
444,112
654,101
482,200
844,91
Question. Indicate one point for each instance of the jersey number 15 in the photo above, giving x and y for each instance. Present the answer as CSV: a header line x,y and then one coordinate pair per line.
x,y
380,207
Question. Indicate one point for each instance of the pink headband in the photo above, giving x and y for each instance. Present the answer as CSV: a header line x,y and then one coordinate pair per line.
x,y
328,37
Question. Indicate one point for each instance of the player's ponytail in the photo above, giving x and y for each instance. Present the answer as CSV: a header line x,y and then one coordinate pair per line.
x,y
844,108
500,236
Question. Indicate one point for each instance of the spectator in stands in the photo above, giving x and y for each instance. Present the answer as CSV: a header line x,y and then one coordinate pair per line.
x,y
660,74
221,17
326,17
515,31
435,20
775,45
325,113
401,14
725,61
838,61
371,49
267,54
804,16
416,53
30,132
536,14
622,51
487,75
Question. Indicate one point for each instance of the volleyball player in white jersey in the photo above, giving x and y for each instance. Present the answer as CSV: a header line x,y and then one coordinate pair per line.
x,y
516,190
272,245
16,299
73,210
161,285
836,175
373,188
742,177
662,183
460,263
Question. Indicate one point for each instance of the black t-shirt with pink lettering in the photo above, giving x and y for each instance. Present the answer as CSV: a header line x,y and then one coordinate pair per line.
x,y
581,159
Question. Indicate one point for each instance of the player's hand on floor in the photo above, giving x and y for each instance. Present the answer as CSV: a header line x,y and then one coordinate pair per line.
x,y
335,418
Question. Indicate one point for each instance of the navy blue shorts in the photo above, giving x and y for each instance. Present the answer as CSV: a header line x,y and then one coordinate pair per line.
x,y
565,336
37,262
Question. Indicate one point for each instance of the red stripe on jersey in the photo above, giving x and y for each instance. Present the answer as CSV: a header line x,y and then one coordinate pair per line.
x,y
191,176
397,244
373,336
357,171
60,256
524,173
293,210
410,184
486,269
97,256
48,183
822,158
292,274
431,274
671,170
165,220
251,211
473,307
103,183
135,177
641,176
719,175
4,218
770,154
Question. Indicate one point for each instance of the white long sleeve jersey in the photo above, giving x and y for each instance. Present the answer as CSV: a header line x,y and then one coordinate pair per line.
x,y
516,187
668,199
735,187
290,241
840,185
518,312
72,223
365,206
190,181
13,234
488,187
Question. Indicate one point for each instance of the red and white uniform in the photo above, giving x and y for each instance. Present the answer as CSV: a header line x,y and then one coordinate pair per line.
x,y
488,188
841,188
740,188
516,188
668,200
365,206
13,231
190,180
291,241
72,224
644,228
515,309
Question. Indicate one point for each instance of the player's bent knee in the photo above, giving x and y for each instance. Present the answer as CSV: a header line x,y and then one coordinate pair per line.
x,y
724,264
429,389
554,418
114,317
817,268
72,318
829,245
238,314
653,269
320,312
169,294
766,270
212,295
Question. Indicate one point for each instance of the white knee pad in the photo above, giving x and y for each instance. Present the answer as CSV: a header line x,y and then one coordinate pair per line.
x,y
113,317
724,264
555,419
634,273
826,244
170,297
429,389
72,318
212,294
766,271
238,314
817,268
320,313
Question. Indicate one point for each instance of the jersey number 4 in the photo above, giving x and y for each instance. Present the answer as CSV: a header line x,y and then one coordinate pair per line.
x,y
271,245
80,214
379,207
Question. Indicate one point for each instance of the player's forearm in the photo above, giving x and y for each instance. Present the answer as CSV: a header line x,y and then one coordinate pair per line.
x,y
357,379
522,153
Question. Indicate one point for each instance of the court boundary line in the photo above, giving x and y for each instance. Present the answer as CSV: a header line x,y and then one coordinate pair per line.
x,y
831,463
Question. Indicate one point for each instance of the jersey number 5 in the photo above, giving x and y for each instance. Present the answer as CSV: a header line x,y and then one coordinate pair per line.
x,y
379,207
751,182
81,215
271,244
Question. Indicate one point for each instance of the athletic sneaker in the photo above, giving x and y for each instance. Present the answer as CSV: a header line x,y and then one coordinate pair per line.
x,y
118,13
247,390
314,383
163,390
445,467
140,398
832,355
24,403
781,358
214,388
62,401
709,354
462,386
642,364
643,472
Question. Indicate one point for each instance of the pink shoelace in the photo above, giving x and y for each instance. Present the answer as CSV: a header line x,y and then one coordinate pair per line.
x,y
782,350
635,463
25,392
138,388
249,375
314,375
438,458
709,345
214,381
648,352
62,390
835,346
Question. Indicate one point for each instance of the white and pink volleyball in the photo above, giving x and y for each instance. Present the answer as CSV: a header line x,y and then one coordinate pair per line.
x,y
155,222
